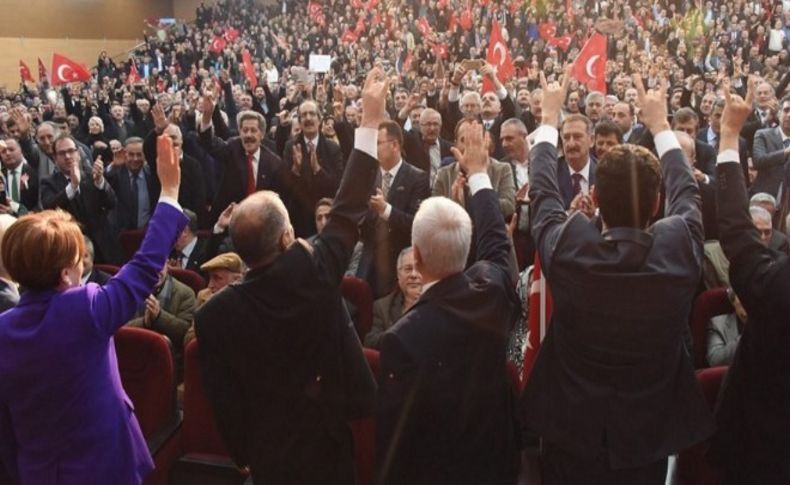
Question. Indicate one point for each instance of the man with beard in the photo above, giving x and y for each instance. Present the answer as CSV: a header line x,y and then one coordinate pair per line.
x,y
312,169
247,165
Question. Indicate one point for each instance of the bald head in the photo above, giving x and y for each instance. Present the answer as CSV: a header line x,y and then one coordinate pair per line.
x,y
260,228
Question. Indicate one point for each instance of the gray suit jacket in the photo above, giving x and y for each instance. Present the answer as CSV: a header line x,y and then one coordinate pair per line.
x,y
386,311
615,348
769,159
723,338
501,180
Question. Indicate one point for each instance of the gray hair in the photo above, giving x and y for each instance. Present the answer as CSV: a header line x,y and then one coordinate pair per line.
x,y
594,94
442,233
403,254
762,198
55,129
251,115
758,212
471,94
517,124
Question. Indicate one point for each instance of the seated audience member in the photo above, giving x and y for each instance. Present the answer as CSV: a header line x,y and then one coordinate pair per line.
x,y
222,270
764,224
9,292
89,273
168,310
451,182
724,333
387,310
322,211
189,251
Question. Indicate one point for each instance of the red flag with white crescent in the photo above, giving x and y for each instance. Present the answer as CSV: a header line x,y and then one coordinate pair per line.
x,y
218,44
499,57
424,27
590,66
64,70
349,37
24,72
540,306
42,70
231,34
563,42
547,30
249,69
316,13
134,75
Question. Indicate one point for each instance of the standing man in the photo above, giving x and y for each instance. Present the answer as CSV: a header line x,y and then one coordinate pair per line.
x,y
134,184
752,441
21,178
771,152
576,169
613,391
445,405
280,382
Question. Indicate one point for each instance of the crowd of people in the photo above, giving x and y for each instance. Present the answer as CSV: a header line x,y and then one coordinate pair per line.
x,y
274,156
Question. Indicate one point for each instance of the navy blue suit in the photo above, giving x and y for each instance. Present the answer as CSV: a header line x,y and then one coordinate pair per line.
x,y
565,182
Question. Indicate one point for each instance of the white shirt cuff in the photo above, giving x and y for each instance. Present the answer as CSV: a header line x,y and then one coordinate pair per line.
x,y
366,140
666,141
14,206
101,185
71,191
453,94
206,127
479,181
387,212
547,134
501,92
171,201
729,155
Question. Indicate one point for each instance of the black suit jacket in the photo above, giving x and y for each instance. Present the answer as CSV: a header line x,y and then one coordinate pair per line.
x,y
384,240
769,160
274,362
753,424
120,180
613,375
417,153
566,183
233,179
28,193
743,151
300,193
90,207
508,110
445,407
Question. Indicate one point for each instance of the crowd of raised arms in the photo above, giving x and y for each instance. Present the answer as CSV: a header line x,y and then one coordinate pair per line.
x,y
272,113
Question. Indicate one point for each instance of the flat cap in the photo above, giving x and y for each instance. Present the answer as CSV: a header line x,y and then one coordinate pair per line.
x,y
229,261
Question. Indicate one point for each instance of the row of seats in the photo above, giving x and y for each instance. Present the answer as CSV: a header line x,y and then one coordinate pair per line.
x,y
186,276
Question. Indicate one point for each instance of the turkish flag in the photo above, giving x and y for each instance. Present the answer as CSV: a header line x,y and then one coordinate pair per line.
x,y
42,71
569,10
540,306
424,27
360,25
316,13
466,19
249,69
24,72
218,44
590,66
442,4
372,4
440,50
349,37
356,4
134,74
64,70
499,57
231,34
563,42
547,30
452,22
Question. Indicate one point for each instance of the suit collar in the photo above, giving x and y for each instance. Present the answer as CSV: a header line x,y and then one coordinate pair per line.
x,y
628,234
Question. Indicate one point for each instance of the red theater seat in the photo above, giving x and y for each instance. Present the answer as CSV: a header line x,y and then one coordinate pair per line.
x,y
357,292
364,431
130,240
110,269
189,278
708,304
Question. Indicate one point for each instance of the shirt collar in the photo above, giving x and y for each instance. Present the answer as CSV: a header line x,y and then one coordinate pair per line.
x,y
585,171
394,170
313,140
187,251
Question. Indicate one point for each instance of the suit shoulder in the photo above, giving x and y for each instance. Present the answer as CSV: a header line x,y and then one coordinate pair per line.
x,y
412,170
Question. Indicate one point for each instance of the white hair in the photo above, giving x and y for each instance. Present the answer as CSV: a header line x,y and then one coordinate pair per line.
x,y
758,212
442,233
98,121
762,198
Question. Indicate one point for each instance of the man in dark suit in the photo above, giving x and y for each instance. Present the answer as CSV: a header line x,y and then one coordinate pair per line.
x,y
425,149
312,167
386,229
771,150
762,116
687,121
752,440
135,186
190,251
88,197
710,135
707,190
21,178
280,382
576,169
116,126
613,391
89,273
247,165
445,405
623,114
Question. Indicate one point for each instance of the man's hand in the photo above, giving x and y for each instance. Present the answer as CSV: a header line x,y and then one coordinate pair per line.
x,y
522,196
584,204
653,104
457,190
285,117
160,119
224,218
314,165
699,175
374,98
474,158
488,71
736,111
458,74
378,203
98,172
208,108
554,95
20,118
75,175
296,166
152,309
167,167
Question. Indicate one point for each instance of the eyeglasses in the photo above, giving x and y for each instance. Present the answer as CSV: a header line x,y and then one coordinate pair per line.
x,y
379,142
68,151
407,269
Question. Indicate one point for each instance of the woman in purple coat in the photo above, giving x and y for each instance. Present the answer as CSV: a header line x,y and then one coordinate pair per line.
x,y
64,417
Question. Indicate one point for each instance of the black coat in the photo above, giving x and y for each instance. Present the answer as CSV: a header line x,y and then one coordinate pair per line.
x,y
417,153
445,407
121,182
275,364
752,440
621,304
28,193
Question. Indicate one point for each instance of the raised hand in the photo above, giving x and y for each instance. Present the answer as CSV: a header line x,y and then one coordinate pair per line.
x,y
208,107
736,109
374,98
167,167
224,219
20,118
98,172
554,95
296,166
653,105
160,119
474,158
75,174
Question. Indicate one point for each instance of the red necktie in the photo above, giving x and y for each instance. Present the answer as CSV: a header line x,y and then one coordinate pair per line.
x,y
577,183
250,174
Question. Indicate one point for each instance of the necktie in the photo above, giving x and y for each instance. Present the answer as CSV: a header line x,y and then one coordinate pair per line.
x,y
715,143
577,183
250,174
12,179
786,142
135,200
386,183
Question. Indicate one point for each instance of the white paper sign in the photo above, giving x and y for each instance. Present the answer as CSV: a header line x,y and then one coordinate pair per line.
x,y
320,63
